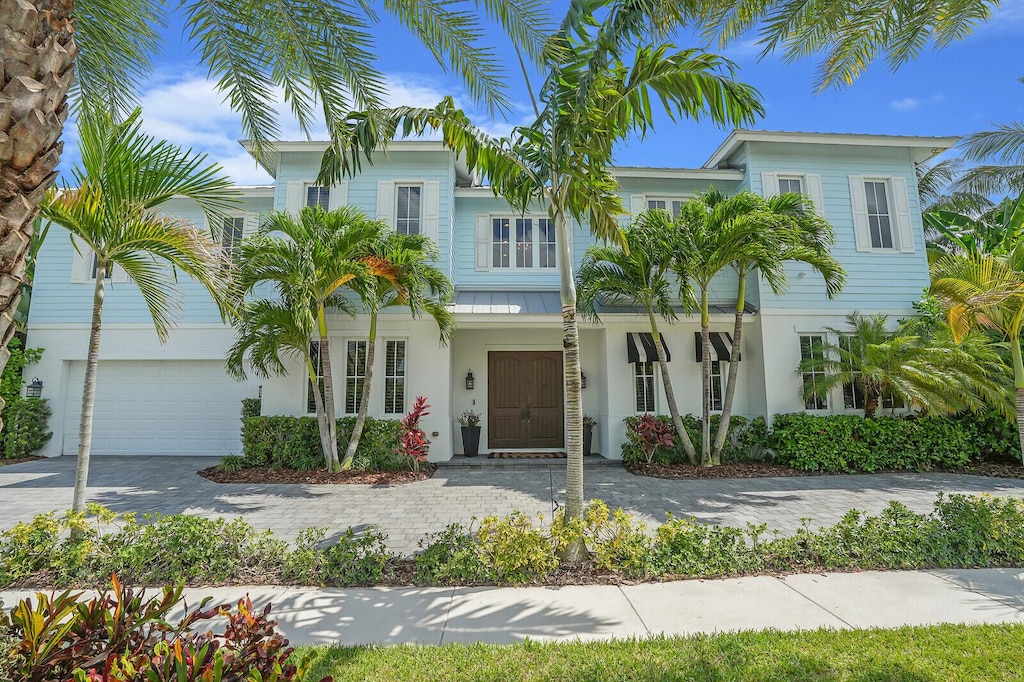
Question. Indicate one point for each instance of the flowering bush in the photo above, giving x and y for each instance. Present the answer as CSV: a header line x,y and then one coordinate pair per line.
x,y
469,418
650,435
413,441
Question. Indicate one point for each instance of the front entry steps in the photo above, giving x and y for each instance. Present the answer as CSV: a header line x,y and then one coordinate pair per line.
x,y
514,454
484,461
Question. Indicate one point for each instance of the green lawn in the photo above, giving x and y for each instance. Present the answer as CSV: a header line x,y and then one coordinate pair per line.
x,y
913,654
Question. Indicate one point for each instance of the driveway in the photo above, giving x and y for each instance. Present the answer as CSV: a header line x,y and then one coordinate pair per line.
x,y
169,485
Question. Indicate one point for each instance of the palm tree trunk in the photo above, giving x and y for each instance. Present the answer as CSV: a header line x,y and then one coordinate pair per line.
x,y
576,552
327,445
734,370
1018,381
38,50
332,416
705,372
670,394
364,399
92,362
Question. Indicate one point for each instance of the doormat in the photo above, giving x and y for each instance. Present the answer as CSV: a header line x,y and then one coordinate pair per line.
x,y
526,455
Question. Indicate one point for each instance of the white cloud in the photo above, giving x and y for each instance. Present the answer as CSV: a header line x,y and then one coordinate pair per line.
x,y
905,104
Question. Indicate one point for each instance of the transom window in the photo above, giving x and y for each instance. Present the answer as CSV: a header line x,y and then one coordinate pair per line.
x,y
318,367
671,205
407,212
879,219
811,348
521,243
716,385
643,386
790,184
355,374
318,196
394,377
231,236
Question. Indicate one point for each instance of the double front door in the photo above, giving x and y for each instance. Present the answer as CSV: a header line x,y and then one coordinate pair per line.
x,y
525,408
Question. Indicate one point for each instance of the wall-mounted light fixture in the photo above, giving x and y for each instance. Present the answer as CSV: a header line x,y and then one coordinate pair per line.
x,y
470,380
34,389
583,379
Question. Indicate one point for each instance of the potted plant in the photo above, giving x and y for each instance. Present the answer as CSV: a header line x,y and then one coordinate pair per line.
x,y
588,433
470,423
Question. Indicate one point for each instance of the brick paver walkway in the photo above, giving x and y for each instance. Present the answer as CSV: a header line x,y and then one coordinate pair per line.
x,y
169,485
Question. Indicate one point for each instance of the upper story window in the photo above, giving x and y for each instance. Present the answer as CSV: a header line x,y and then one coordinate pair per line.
x,y
665,204
408,208
522,243
231,236
879,218
318,196
109,274
791,183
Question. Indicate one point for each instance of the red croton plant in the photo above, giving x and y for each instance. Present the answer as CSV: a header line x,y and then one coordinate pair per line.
x,y
413,442
651,433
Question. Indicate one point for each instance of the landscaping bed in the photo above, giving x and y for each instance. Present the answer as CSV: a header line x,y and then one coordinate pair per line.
x,y
317,477
19,460
725,470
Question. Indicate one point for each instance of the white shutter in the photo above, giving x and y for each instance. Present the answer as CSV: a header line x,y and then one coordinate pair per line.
x,y
386,201
295,200
769,185
429,209
637,204
251,224
81,270
901,205
338,196
814,192
861,228
483,242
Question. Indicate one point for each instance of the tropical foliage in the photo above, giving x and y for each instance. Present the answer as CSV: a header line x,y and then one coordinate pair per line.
x,y
995,230
111,208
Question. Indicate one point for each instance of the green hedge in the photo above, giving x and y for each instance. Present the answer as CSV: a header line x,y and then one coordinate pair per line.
x,y
25,429
747,438
294,443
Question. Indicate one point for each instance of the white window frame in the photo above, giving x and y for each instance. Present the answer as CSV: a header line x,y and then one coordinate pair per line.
x,y
813,337
897,197
318,367
513,244
231,249
398,187
890,214
94,266
791,177
306,186
668,199
717,385
810,186
651,393
390,377
359,379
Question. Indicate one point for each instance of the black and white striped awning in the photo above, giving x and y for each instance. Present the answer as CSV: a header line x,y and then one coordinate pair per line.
x,y
721,346
640,347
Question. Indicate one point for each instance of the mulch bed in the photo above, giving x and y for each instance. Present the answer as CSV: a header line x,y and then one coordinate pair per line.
x,y
19,460
727,470
994,470
318,477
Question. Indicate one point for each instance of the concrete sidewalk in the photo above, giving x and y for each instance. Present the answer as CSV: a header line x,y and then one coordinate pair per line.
x,y
507,615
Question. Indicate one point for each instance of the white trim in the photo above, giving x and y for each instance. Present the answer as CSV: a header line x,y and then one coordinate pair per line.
x,y
677,173
383,343
928,146
512,268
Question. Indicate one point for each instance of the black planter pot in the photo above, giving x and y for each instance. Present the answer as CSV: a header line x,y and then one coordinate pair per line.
x,y
471,441
588,438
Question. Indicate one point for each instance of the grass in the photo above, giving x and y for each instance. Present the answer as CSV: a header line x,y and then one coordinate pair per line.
x,y
909,654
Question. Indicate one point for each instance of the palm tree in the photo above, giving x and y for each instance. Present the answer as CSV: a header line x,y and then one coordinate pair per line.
x,y
937,190
317,53
402,275
113,214
307,261
791,232
910,366
999,154
986,290
591,99
636,273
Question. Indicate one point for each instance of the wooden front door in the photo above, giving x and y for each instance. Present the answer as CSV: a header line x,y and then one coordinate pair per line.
x,y
525,408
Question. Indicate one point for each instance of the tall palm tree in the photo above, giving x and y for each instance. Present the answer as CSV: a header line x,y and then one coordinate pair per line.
x,y
592,98
909,366
403,275
316,53
985,290
999,155
111,210
307,260
791,232
637,273
937,190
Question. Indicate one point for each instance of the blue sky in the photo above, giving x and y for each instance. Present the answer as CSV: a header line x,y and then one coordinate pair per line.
x,y
964,88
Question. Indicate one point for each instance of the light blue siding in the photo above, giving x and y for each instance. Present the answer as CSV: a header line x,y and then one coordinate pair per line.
x,y
875,281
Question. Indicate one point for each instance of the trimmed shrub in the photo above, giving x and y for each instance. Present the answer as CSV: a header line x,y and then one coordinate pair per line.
x,y
25,429
251,407
851,443
284,442
514,549
747,439
450,557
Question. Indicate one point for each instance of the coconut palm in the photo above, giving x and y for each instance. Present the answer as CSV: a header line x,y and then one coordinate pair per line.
x,y
311,53
111,208
910,366
986,290
591,99
791,232
402,275
637,273
307,260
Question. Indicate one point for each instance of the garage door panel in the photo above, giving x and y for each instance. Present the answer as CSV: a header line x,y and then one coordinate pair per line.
x,y
158,408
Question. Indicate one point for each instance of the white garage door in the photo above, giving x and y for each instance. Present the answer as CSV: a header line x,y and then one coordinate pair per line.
x,y
158,408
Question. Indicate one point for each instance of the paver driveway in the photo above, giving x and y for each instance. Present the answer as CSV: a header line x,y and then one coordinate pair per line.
x,y
407,512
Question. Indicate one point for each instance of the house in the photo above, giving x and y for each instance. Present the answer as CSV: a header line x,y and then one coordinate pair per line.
x,y
505,358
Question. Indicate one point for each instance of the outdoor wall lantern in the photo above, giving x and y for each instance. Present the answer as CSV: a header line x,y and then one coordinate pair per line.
x,y
583,379
35,389
470,380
